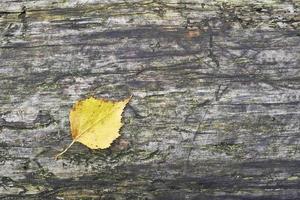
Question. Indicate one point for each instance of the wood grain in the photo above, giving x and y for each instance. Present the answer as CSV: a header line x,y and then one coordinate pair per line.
x,y
214,113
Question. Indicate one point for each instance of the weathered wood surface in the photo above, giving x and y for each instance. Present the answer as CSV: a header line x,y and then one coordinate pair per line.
x,y
215,108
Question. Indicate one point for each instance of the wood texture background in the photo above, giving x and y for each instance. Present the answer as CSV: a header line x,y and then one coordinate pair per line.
x,y
214,113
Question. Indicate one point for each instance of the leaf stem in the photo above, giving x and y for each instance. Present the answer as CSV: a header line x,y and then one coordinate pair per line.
x,y
64,151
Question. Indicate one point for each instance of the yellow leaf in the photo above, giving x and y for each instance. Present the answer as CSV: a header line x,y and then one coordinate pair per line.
x,y
96,122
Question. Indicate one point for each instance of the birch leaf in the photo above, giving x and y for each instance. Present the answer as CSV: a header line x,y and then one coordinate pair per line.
x,y
96,122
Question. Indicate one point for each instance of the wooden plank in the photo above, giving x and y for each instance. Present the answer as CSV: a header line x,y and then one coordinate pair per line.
x,y
214,113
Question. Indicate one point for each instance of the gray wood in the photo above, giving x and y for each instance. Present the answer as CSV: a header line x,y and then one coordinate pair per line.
x,y
214,113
